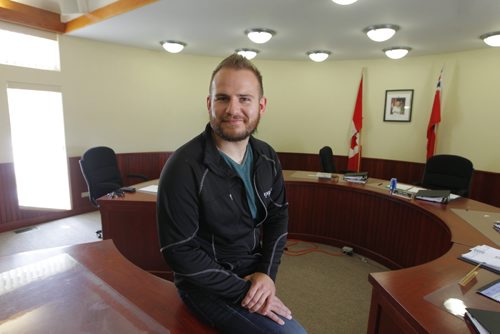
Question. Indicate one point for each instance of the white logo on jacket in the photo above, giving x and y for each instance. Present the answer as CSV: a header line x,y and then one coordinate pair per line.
x,y
267,194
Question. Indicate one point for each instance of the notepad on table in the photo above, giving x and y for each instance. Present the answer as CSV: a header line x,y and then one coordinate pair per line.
x,y
360,177
439,196
483,321
488,257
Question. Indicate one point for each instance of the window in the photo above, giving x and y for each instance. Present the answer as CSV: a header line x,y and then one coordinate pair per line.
x,y
38,143
39,50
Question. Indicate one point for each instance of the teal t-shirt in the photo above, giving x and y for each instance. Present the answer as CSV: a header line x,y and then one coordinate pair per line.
x,y
244,171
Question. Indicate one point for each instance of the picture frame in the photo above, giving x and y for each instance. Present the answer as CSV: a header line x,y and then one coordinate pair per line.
x,y
398,105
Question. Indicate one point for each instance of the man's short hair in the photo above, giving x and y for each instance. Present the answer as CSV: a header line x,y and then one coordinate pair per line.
x,y
237,62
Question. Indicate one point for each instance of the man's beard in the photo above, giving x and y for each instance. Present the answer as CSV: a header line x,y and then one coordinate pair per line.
x,y
234,137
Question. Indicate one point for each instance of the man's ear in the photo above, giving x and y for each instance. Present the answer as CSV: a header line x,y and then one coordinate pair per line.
x,y
262,105
209,104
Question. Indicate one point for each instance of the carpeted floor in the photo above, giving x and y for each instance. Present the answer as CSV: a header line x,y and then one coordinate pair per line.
x,y
328,292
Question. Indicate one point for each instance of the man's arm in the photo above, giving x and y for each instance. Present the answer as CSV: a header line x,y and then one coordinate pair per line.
x,y
275,228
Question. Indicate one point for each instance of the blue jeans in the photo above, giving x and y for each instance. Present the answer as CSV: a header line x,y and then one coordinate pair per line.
x,y
232,318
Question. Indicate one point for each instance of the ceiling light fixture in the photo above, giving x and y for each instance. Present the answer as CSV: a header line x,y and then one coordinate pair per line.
x,y
173,46
318,55
396,52
491,38
344,2
247,53
260,35
381,32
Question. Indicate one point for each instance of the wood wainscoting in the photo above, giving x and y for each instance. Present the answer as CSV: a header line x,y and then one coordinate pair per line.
x,y
12,217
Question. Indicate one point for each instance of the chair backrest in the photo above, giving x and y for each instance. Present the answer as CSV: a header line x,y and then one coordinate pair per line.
x,y
326,159
100,170
446,171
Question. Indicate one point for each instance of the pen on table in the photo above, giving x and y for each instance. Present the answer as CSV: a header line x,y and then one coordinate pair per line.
x,y
470,275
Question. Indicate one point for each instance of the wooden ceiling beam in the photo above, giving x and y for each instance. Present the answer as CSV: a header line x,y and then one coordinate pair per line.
x,y
100,14
18,13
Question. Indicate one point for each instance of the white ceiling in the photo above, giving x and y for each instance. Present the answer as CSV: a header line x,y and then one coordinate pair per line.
x,y
216,27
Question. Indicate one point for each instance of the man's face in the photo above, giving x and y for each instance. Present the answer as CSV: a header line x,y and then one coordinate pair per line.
x,y
234,105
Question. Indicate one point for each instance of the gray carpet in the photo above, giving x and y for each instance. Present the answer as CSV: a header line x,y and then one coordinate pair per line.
x,y
326,293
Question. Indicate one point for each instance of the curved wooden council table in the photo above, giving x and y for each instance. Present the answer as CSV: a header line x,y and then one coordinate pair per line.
x,y
424,238
88,288
419,240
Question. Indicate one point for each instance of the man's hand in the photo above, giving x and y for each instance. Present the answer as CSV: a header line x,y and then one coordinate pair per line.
x,y
261,298
277,308
260,293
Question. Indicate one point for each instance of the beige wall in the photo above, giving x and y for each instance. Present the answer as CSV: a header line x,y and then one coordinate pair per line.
x,y
138,100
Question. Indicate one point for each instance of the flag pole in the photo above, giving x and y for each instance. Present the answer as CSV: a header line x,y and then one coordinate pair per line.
x,y
435,118
363,70
441,76
355,133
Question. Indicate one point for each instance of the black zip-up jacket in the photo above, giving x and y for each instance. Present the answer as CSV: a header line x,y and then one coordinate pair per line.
x,y
207,234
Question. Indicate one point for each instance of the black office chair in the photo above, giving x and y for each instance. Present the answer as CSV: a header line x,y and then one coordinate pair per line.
x,y
100,170
446,171
326,159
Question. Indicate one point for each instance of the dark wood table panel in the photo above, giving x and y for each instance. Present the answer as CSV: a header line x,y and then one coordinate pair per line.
x,y
389,230
131,222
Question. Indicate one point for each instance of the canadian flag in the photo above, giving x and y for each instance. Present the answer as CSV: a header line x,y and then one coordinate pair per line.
x,y
434,120
353,161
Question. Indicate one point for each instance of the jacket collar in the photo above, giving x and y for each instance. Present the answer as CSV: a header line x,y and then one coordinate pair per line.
x,y
212,158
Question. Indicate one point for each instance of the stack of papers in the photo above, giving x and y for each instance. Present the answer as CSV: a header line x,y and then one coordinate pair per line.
x,y
321,175
439,196
356,177
488,257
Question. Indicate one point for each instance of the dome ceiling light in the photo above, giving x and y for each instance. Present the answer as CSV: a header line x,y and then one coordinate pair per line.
x,y
491,38
396,52
344,2
260,35
247,53
318,55
173,46
381,32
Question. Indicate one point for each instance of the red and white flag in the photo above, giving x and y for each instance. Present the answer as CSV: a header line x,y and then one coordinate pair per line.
x,y
354,158
434,120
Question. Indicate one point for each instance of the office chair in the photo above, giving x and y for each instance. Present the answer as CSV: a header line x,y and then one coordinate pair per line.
x,y
328,162
100,170
450,172
326,159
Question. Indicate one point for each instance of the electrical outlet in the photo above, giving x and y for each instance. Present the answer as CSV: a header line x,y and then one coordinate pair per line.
x,y
85,194
347,250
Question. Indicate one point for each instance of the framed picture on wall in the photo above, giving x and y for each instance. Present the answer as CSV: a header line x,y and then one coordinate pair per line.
x,y
398,105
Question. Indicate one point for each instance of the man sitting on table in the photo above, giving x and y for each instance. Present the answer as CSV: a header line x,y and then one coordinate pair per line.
x,y
215,196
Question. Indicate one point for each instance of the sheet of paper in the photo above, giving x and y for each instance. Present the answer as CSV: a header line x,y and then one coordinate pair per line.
x,y
492,291
150,189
